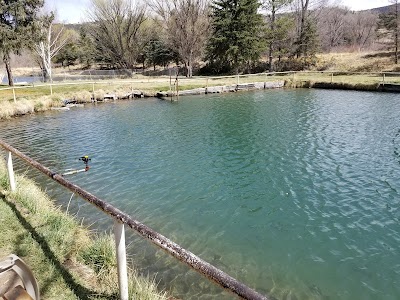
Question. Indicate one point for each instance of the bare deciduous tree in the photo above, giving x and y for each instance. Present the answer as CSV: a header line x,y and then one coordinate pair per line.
x,y
115,29
332,27
361,29
186,27
52,39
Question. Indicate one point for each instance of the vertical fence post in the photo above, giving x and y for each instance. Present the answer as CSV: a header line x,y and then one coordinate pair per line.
x,y
383,75
177,88
94,96
15,98
10,171
331,77
51,89
119,235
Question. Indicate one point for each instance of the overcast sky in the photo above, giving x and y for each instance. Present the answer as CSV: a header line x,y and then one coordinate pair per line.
x,y
73,11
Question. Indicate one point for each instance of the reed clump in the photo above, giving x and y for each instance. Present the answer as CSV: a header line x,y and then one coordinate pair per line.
x,y
81,96
67,259
24,106
44,103
9,109
6,110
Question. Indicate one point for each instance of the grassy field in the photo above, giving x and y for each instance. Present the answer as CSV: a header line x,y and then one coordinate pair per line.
x,y
70,90
382,61
68,260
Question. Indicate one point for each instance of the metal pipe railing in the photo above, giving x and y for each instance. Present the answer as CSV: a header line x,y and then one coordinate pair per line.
x,y
212,273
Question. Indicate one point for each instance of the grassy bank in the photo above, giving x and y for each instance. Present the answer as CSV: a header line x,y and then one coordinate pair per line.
x,y
68,260
39,98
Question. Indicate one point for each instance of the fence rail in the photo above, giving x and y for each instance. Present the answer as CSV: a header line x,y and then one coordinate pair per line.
x,y
88,83
91,75
120,219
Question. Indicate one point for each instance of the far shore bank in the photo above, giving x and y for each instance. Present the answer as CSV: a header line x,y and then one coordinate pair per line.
x,y
80,95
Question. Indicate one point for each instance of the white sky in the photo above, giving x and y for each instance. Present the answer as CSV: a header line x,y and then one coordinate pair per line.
x,y
73,11
364,4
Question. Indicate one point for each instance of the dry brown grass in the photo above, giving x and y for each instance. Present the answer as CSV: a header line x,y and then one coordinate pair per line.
x,y
382,61
25,106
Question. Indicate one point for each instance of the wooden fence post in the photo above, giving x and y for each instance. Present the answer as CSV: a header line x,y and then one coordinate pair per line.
x,y
177,88
10,171
15,98
119,235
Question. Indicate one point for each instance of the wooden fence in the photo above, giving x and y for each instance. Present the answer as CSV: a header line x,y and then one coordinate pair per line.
x,y
148,82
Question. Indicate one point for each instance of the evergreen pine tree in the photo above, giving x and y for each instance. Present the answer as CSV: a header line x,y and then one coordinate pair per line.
x,y
67,55
236,33
87,52
157,53
17,28
274,32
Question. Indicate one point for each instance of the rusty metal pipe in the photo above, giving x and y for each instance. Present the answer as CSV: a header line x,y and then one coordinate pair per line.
x,y
221,278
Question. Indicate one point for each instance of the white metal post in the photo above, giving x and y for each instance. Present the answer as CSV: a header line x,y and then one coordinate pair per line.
x,y
119,235
10,171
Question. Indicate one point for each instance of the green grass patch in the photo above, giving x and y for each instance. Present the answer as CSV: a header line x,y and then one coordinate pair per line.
x,y
68,260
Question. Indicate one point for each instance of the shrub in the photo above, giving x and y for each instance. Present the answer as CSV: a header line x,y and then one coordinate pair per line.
x,y
295,64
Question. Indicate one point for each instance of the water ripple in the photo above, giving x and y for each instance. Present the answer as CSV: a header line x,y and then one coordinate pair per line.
x,y
285,190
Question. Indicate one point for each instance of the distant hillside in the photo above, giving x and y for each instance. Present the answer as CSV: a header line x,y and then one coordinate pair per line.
x,y
383,10
75,27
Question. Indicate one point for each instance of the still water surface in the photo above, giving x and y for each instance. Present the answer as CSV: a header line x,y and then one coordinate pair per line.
x,y
295,193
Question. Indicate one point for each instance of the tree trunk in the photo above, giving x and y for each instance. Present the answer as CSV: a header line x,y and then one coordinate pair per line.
x,y
49,63
271,44
396,51
189,69
396,39
6,60
45,75
302,48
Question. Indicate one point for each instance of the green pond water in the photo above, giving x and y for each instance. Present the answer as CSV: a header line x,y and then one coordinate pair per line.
x,y
293,192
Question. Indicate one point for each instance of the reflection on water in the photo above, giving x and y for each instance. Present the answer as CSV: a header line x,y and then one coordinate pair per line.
x,y
295,193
